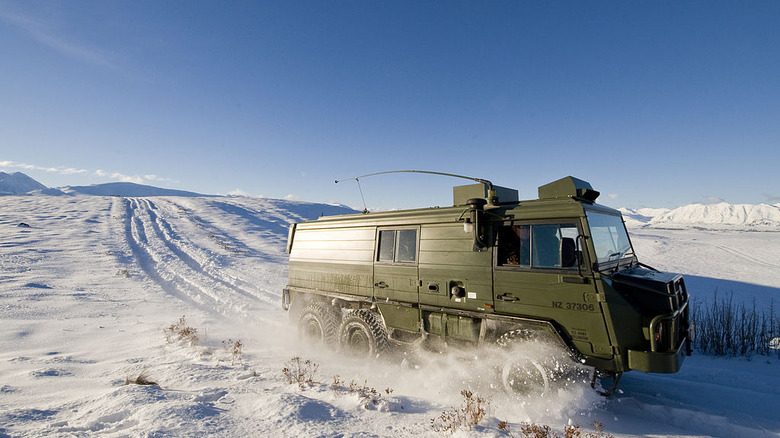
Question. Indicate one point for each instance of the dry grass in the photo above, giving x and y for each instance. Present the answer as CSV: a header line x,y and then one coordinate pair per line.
x,y
300,371
142,379
235,349
470,414
181,332
531,430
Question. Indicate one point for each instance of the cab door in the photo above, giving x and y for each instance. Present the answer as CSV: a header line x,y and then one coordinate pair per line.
x,y
396,275
536,276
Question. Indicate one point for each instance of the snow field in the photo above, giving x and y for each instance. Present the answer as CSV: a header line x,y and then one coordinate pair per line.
x,y
87,289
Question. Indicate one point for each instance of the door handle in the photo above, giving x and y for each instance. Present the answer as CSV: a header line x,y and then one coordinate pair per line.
x,y
381,284
507,297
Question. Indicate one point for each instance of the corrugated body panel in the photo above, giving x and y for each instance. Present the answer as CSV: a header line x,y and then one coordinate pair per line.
x,y
304,233
453,231
332,255
440,245
333,245
350,278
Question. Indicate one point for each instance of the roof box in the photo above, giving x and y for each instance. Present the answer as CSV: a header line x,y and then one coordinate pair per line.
x,y
569,187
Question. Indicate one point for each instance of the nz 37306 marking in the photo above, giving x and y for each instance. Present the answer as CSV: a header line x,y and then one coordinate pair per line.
x,y
574,306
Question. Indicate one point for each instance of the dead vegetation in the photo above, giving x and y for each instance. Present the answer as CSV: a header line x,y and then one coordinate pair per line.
x,y
181,332
235,349
300,372
141,379
532,430
470,414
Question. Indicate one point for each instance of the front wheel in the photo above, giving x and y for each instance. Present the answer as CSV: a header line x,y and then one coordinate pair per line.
x,y
521,369
521,374
363,335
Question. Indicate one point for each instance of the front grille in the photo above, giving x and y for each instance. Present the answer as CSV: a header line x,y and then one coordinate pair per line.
x,y
667,332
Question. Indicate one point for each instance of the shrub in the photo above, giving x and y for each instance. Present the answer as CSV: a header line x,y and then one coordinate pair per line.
x,y
531,430
368,397
300,371
723,328
235,349
181,332
466,417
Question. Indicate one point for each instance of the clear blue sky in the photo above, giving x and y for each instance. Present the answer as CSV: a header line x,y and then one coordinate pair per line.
x,y
656,103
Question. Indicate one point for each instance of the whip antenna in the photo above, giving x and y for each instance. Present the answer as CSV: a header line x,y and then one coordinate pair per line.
x,y
488,184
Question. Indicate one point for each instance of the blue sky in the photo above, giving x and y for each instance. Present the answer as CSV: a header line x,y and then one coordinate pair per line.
x,y
657,104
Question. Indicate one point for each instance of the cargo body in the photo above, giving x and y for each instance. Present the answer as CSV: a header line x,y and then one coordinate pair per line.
x,y
559,268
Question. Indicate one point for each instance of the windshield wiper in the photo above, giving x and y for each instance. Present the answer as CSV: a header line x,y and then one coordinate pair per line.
x,y
619,255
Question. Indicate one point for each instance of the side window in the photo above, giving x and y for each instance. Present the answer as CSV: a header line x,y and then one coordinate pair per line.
x,y
544,246
406,250
397,246
386,245
514,245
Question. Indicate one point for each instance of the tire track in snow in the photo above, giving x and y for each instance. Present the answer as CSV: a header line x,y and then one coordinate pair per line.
x,y
236,246
748,257
182,268
136,238
171,239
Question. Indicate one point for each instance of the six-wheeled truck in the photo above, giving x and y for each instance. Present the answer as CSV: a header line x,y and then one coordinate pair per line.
x,y
490,270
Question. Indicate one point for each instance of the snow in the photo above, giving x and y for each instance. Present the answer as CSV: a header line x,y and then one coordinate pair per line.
x,y
88,288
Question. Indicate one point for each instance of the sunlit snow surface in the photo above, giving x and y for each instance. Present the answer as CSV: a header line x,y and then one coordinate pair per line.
x,y
87,288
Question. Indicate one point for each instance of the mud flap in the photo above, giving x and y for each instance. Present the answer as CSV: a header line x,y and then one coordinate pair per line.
x,y
597,375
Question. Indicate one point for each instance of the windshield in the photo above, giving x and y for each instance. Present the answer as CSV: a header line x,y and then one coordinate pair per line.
x,y
610,239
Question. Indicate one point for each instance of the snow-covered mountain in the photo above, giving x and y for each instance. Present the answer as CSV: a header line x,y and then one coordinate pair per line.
x,y
758,217
127,189
18,183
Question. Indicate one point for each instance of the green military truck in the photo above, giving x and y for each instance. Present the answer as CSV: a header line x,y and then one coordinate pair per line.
x,y
490,270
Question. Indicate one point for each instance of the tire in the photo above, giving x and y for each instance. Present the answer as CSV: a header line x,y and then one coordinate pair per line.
x,y
363,334
317,324
520,372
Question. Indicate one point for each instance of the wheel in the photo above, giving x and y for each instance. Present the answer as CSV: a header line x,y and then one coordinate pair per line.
x,y
521,373
524,375
363,334
317,324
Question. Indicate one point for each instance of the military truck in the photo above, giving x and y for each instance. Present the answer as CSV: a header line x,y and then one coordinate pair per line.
x,y
490,270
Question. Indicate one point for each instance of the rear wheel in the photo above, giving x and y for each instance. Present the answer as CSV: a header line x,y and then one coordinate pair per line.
x,y
363,334
317,324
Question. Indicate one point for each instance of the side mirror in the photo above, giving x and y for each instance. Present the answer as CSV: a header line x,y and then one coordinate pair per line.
x,y
568,252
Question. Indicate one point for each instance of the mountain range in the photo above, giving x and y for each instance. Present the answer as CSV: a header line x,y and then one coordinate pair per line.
x,y
757,217
754,217
20,184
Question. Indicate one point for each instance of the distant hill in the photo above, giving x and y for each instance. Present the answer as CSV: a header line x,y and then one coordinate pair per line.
x,y
18,184
127,189
711,216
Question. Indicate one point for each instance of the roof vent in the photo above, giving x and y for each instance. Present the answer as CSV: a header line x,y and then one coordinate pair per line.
x,y
569,187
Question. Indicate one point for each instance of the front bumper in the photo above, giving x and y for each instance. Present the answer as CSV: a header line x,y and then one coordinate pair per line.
x,y
656,362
